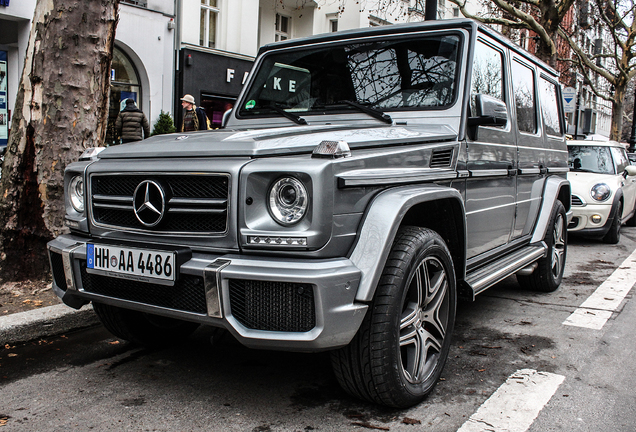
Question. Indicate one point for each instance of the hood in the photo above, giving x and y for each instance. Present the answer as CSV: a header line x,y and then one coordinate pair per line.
x,y
276,141
582,182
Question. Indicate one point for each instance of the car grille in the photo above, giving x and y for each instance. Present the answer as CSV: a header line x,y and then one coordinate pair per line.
x,y
193,203
187,294
57,267
273,306
576,200
574,223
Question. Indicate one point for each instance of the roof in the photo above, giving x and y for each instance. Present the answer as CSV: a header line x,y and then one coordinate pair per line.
x,y
594,143
461,23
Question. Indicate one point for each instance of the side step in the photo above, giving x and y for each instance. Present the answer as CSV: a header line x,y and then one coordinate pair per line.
x,y
488,275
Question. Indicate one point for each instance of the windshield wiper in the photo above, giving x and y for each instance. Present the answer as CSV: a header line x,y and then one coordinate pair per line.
x,y
293,117
373,112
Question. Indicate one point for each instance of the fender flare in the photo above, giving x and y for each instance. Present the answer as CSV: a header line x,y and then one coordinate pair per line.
x,y
379,227
551,193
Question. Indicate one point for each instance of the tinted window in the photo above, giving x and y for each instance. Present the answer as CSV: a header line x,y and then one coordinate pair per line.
x,y
550,107
421,72
523,85
487,73
590,159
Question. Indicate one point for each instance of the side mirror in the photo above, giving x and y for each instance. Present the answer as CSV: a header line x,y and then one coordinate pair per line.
x,y
490,112
226,117
630,170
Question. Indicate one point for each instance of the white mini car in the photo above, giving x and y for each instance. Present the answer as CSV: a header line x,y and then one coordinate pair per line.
x,y
603,189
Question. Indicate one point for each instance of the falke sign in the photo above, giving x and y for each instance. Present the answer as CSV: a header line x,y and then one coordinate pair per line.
x,y
4,2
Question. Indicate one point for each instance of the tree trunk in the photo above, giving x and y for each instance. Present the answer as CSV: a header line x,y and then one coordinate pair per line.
x,y
617,112
60,110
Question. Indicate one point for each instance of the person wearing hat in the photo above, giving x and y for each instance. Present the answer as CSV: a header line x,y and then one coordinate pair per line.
x,y
194,118
132,124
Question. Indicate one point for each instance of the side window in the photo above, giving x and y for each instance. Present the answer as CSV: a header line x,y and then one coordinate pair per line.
x,y
620,159
550,107
487,73
523,85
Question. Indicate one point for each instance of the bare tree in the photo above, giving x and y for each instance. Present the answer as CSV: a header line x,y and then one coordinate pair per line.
x,y
60,110
543,17
614,58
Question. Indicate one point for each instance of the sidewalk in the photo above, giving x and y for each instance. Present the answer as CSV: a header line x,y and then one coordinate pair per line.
x,y
44,322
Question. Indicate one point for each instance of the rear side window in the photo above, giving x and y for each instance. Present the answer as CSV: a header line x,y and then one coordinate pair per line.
x,y
523,85
487,73
620,159
550,107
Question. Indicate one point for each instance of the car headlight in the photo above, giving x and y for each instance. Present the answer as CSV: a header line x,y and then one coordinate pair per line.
x,y
600,192
76,193
287,201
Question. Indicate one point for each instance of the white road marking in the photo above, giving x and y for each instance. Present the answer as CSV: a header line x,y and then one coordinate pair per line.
x,y
598,308
516,404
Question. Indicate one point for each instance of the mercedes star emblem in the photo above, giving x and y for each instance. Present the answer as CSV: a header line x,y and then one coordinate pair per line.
x,y
149,203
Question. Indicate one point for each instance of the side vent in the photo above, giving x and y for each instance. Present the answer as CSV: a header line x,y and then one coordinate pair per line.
x,y
441,158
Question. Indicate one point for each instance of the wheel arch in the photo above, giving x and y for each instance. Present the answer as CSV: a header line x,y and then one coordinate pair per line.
x,y
431,206
555,189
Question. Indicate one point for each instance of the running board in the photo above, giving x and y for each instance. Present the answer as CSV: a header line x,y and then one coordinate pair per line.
x,y
488,275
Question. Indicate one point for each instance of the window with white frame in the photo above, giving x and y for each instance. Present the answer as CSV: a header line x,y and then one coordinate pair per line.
x,y
209,14
283,27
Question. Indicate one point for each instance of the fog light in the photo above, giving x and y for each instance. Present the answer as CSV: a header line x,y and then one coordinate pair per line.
x,y
596,218
278,241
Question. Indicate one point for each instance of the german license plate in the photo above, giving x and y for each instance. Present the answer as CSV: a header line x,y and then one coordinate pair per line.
x,y
145,265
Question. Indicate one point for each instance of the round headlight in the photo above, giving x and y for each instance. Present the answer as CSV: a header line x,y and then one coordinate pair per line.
x,y
288,201
76,193
600,192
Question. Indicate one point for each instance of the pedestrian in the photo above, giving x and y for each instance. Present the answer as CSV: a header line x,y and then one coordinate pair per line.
x,y
132,124
194,117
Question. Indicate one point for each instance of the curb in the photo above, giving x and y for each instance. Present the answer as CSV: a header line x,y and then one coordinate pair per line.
x,y
48,321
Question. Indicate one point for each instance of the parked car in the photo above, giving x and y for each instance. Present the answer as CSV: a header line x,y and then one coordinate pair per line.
x,y
603,189
365,180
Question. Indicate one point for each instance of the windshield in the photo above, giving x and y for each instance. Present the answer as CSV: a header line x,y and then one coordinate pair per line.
x,y
590,159
385,75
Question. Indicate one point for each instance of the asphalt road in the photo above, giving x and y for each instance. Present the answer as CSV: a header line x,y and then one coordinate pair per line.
x,y
89,380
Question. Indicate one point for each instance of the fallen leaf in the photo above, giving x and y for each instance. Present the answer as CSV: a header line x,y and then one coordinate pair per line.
x,y
114,343
411,421
481,370
7,346
27,301
12,355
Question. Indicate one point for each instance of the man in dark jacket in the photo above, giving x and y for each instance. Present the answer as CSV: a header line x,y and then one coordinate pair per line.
x,y
194,118
131,122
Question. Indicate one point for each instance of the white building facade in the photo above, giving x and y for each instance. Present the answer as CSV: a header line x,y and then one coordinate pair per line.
x,y
143,61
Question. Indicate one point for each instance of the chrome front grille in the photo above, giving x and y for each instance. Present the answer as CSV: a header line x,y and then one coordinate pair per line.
x,y
195,203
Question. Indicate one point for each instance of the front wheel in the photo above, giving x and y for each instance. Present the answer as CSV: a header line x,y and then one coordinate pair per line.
x,y
401,347
142,328
613,236
549,272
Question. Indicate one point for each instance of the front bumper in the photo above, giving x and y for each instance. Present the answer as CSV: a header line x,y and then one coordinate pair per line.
x,y
260,300
582,219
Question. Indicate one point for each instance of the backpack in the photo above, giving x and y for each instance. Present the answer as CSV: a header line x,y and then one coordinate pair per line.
x,y
204,121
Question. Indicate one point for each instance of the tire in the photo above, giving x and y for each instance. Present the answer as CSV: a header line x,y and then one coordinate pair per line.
x,y
632,220
549,272
398,354
142,328
613,236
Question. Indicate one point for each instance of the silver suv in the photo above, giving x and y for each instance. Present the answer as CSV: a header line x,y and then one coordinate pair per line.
x,y
364,182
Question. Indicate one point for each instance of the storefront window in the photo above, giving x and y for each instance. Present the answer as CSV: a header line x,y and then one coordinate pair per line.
x,y
124,84
215,107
